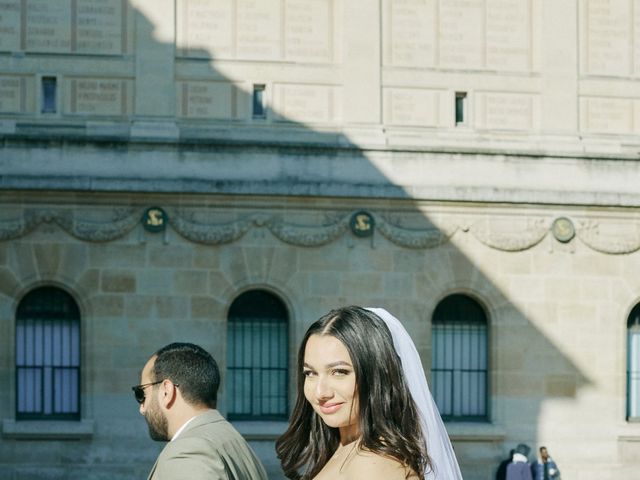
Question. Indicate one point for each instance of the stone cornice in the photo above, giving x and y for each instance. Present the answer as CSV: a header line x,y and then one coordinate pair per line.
x,y
336,168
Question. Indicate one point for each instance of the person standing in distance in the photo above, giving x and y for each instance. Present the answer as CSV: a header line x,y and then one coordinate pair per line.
x,y
519,468
545,468
177,395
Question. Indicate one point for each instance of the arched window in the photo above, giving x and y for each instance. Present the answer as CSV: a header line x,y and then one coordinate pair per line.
x,y
459,358
48,356
633,363
257,356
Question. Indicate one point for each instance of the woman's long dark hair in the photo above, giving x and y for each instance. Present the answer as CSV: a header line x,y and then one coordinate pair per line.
x,y
388,419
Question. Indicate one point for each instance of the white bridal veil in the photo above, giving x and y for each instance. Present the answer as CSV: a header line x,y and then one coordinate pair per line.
x,y
443,459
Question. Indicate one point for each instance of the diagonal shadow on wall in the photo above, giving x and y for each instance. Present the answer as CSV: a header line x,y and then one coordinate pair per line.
x,y
305,178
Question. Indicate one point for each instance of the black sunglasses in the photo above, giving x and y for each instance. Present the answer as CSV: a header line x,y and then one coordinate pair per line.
x,y
138,390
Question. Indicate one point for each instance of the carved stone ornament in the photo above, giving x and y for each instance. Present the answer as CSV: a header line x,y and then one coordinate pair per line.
x,y
210,234
613,237
563,229
16,228
510,234
154,219
362,224
116,223
410,238
307,236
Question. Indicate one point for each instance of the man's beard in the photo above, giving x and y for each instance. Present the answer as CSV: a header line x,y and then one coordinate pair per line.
x,y
157,423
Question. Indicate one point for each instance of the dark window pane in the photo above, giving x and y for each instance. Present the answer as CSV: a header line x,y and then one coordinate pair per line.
x,y
461,100
48,356
633,363
459,309
258,101
257,345
459,358
49,85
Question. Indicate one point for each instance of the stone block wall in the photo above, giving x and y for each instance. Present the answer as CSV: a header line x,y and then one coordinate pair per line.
x,y
556,311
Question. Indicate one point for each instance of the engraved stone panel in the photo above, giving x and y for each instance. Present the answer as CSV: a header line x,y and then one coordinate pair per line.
x,y
308,30
508,35
305,103
410,32
206,28
608,37
461,33
99,96
607,115
9,25
411,107
259,30
99,26
14,96
506,111
206,99
48,26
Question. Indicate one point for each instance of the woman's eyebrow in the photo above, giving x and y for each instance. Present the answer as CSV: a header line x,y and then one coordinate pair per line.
x,y
338,363
330,365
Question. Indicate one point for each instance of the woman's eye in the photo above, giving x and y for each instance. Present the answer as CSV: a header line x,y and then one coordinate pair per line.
x,y
307,373
341,372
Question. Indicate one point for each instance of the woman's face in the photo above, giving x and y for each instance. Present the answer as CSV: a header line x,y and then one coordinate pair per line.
x,y
330,383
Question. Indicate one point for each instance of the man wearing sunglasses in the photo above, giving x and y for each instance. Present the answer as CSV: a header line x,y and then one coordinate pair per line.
x,y
177,396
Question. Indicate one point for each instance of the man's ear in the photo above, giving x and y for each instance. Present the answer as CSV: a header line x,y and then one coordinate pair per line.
x,y
168,393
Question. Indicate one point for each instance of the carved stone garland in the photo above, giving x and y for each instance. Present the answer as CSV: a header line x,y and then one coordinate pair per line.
x,y
500,234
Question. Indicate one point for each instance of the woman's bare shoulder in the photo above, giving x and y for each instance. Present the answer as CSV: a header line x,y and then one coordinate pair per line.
x,y
374,466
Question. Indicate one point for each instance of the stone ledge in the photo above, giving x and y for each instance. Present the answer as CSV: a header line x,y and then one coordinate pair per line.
x,y
476,432
631,431
47,430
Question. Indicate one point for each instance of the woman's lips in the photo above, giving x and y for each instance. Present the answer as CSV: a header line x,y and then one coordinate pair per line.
x,y
329,408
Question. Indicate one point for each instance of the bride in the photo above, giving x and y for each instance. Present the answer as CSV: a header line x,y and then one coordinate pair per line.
x,y
363,409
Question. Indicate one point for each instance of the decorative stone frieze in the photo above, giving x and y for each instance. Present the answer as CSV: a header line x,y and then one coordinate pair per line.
x,y
117,222
410,238
16,228
307,236
613,237
510,234
209,234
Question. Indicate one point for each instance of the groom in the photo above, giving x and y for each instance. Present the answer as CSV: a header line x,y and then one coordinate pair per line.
x,y
177,396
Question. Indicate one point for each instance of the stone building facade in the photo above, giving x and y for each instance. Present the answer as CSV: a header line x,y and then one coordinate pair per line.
x,y
226,171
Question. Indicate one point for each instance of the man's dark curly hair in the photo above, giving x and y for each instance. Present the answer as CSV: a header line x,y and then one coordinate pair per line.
x,y
192,368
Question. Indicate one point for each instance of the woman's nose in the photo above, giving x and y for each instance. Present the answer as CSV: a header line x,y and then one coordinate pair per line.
x,y
323,389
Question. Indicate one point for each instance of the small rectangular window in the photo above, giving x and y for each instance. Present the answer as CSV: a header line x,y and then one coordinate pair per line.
x,y
461,108
259,109
49,85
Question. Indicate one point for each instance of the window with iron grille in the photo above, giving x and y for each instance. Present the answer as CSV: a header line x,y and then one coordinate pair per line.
x,y
48,356
633,363
257,356
459,359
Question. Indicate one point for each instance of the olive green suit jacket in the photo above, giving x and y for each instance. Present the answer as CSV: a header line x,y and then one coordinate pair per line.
x,y
208,448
